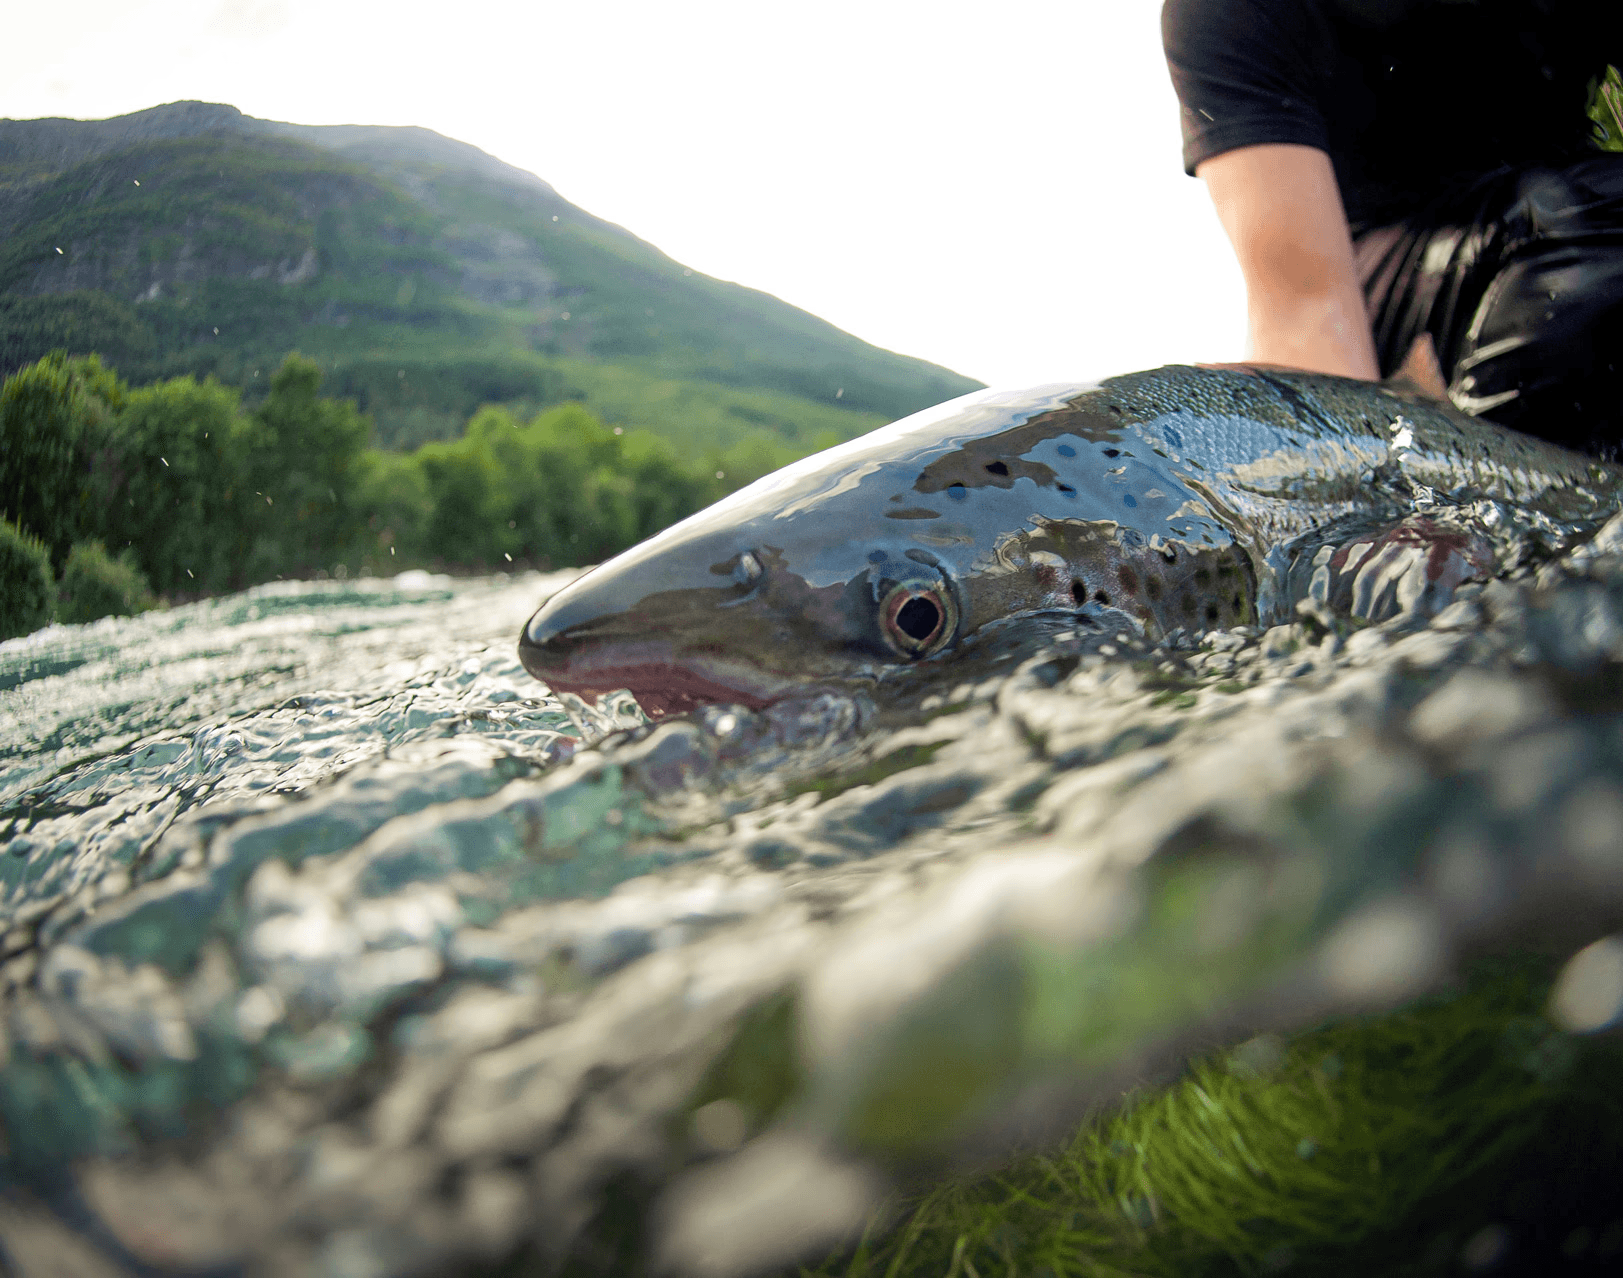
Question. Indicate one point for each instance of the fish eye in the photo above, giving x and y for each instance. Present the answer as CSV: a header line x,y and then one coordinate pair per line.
x,y
916,620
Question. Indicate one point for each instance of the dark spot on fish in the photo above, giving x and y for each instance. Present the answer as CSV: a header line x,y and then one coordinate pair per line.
x,y
1128,579
1211,613
1152,587
967,464
1130,499
1202,575
1066,490
1099,597
957,492
1187,604
1170,554
997,468
1079,591
1112,452
913,512
877,556
1065,450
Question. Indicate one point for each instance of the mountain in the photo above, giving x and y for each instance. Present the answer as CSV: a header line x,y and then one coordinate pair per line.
x,y
426,276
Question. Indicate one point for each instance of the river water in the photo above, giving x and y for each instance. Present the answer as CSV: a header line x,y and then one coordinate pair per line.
x,y
332,945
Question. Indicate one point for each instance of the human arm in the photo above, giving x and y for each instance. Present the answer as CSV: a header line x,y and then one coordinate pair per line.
x,y
1282,211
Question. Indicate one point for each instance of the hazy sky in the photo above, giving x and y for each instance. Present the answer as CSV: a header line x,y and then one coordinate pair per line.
x,y
992,186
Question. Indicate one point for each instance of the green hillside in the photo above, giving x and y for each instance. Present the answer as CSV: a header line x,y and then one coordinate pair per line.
x,y
424,276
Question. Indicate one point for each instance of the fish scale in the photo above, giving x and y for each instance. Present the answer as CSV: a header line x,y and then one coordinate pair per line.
x,y
1181,497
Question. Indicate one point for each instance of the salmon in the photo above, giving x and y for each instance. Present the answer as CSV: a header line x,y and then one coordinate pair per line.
x,y
1182,498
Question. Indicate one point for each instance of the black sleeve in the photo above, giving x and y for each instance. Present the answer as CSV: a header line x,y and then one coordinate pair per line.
x,y
1246,72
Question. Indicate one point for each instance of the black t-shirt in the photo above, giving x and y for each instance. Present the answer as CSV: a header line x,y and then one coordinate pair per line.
x,y
1415,101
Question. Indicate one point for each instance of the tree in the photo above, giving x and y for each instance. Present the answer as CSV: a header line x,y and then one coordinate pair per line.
x,y
53,420
169,486
302,460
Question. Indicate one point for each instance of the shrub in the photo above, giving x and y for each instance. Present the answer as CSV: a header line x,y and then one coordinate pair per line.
x,y
95,585
53,418
25,582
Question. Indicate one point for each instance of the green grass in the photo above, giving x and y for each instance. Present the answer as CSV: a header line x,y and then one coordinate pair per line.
x,y
1376,1146
1606,110
702,416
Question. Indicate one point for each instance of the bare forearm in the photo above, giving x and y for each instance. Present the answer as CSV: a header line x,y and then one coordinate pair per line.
x,y
1324,332
1282,212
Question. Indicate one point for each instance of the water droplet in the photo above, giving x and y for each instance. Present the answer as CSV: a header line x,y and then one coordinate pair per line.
x,y
1486,1247
1588,994
722,1125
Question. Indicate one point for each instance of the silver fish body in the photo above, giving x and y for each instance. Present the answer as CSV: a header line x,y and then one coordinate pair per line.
x,y
1178,498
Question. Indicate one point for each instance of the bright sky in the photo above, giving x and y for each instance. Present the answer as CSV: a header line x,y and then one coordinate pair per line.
x,y
992,186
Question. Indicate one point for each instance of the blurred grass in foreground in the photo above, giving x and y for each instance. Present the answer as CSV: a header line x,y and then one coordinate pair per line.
x,y
1606,110
1439,1139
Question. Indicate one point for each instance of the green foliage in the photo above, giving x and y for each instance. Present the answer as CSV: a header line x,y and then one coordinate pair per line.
x,y
53,418
1373,1146
413,401
197,496
392,490
301,458
169,486
96,585
77,322
702,418
562,489
1606,110
26,594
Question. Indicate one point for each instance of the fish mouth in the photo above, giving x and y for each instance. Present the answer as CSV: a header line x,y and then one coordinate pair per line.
x,y
663,681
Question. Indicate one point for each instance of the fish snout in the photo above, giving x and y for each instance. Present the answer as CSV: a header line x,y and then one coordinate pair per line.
x,y
595,637
557,642
552,629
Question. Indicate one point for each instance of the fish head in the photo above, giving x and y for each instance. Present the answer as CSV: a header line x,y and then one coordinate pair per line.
x,y
838,569
886,554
